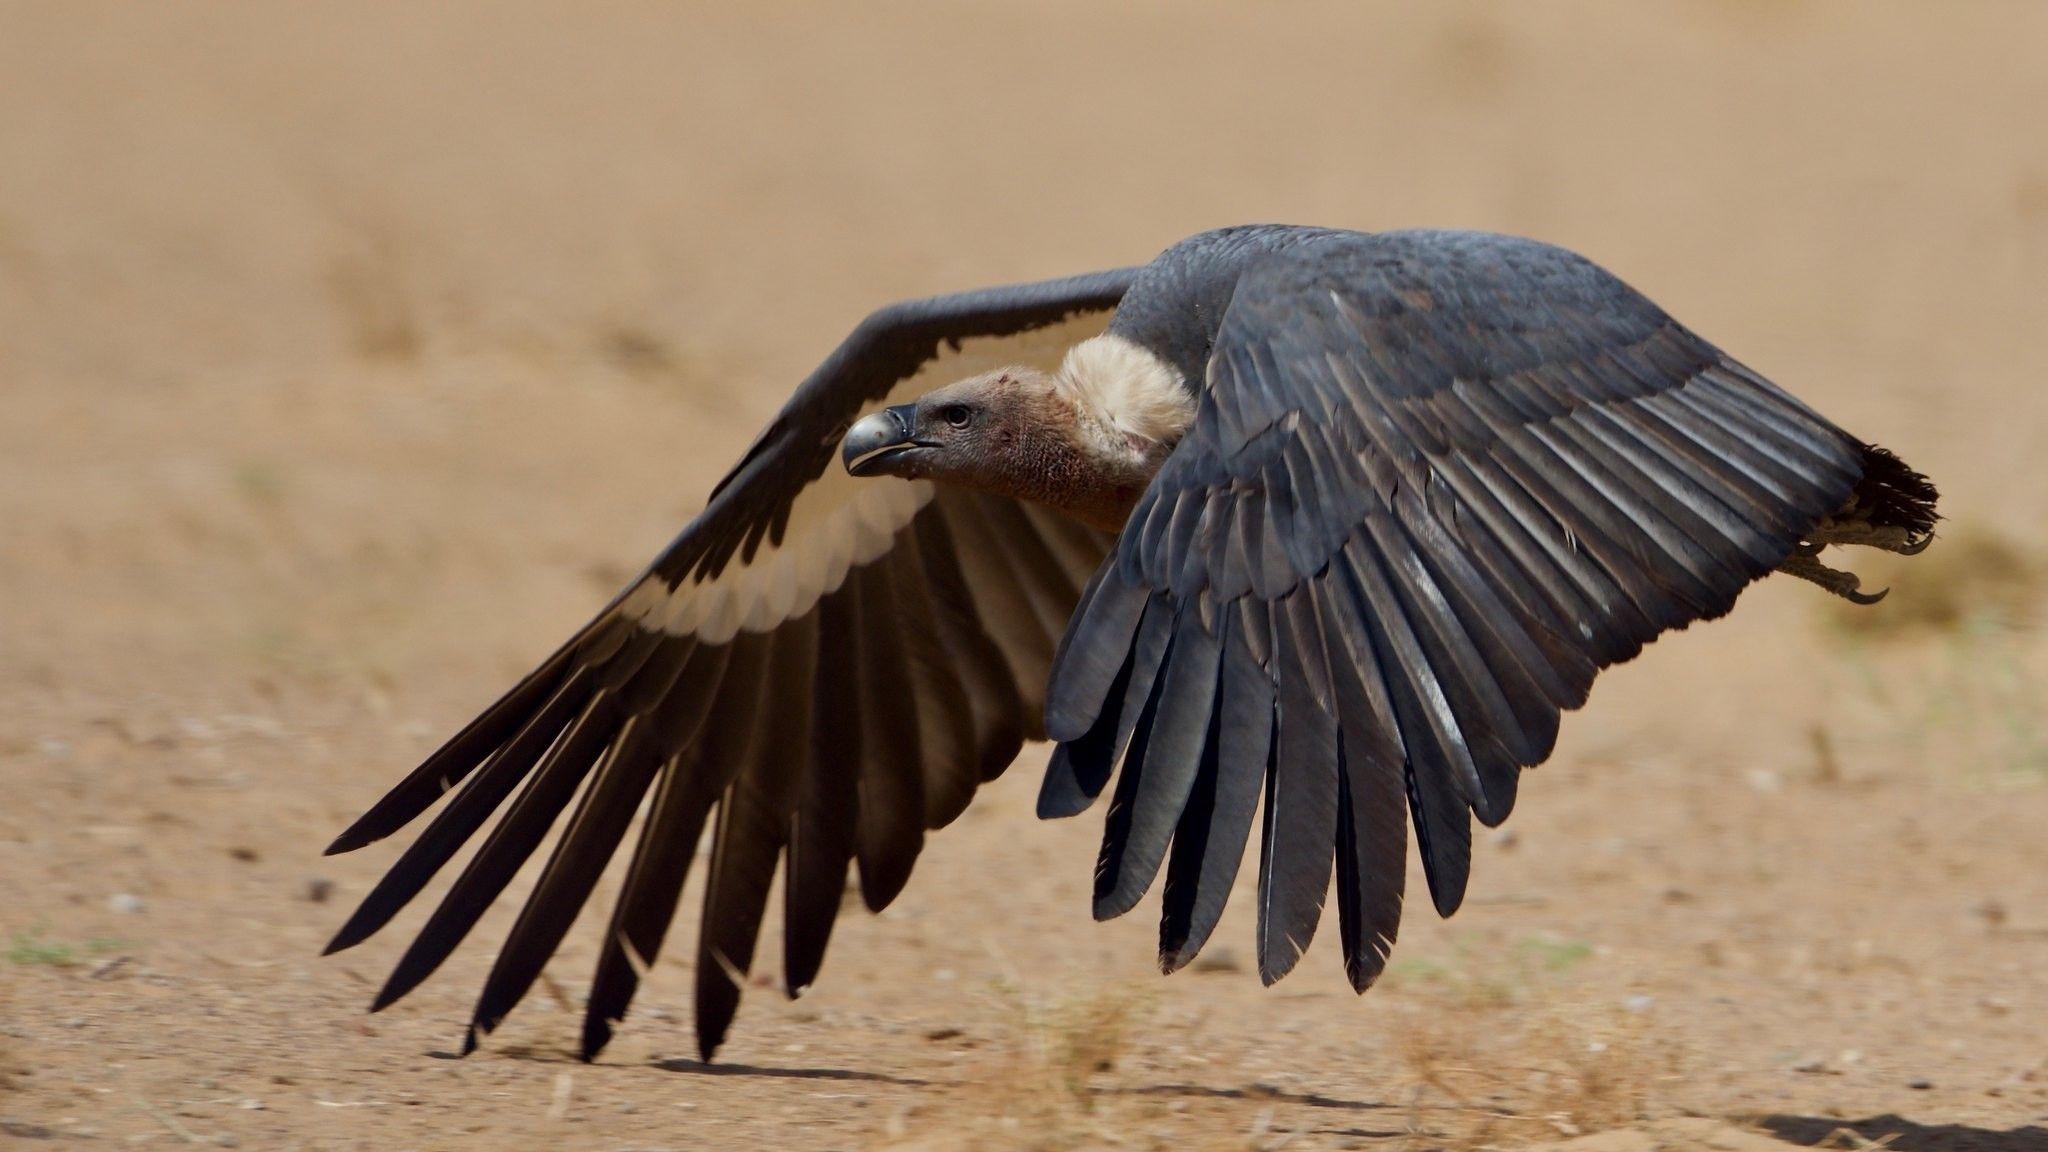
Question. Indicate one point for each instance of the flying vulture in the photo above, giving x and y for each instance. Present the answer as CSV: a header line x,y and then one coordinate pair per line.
x,y
1322,524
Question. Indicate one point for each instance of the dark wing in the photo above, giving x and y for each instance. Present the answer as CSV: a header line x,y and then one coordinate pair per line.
x,y
822,667
1437,482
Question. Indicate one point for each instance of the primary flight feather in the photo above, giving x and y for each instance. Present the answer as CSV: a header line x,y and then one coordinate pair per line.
x,y
1320,526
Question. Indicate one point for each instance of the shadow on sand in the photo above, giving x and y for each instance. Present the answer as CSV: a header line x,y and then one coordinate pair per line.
x,y
1898,1134
1311,1099
698,1067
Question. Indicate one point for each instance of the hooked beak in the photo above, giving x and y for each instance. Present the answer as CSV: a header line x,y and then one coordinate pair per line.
x,y
878,438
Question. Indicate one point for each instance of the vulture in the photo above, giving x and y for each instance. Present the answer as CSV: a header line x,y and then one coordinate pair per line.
x,y
1321,527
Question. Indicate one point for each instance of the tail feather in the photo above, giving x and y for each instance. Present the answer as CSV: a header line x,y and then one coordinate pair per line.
x,y
1892,495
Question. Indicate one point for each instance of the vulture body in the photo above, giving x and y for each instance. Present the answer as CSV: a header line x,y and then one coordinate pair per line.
x,y
1323,528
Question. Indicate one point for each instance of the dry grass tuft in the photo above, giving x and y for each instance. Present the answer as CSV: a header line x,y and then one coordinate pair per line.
x,y
1488,1047
1044,1095
1494,1055
1054,1083
1480,1079
1084,1039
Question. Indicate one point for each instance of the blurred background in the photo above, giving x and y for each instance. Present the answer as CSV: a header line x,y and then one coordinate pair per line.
x,y
351,353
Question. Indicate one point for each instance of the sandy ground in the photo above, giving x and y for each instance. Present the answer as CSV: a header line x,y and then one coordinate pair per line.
x,y
350,354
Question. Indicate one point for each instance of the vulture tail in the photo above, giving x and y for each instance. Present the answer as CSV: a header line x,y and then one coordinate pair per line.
x,y
1892,495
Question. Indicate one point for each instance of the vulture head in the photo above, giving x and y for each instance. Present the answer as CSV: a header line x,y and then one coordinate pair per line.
x,y
1084,440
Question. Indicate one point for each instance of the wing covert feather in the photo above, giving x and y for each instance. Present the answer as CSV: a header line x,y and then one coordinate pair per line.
x,y
1439,480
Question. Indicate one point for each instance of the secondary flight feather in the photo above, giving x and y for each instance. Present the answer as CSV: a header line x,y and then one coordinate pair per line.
x,y
1323,529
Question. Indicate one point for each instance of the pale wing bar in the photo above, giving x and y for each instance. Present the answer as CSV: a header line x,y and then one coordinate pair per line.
x,y
826,677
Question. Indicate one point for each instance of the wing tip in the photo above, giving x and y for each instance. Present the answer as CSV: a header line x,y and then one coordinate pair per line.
x,y
709,1044
1065,721
597,1033
1116,902
1273,969
408,975
1446,900
362,924
1060,793
388,995
1173,959
1364,972
1495,806
351,839
881,881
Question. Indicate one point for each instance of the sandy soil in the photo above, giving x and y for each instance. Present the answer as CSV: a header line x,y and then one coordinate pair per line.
x,y
350,354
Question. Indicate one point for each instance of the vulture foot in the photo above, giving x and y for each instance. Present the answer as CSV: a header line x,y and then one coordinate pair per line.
x,y
1847,585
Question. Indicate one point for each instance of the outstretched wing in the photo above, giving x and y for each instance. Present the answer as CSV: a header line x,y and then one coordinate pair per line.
x,y
1437,482
828,666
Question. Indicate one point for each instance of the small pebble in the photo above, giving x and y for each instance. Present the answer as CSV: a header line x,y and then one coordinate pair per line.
x,y
125,904
941,1033
1919,1085
1765,780
1639,1003
318,889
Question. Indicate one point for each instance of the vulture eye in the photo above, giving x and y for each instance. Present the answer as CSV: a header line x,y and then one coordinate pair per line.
x,y
958,415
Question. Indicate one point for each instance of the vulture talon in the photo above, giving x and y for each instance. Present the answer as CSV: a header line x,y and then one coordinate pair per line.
x,y
1847,585
1319,527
